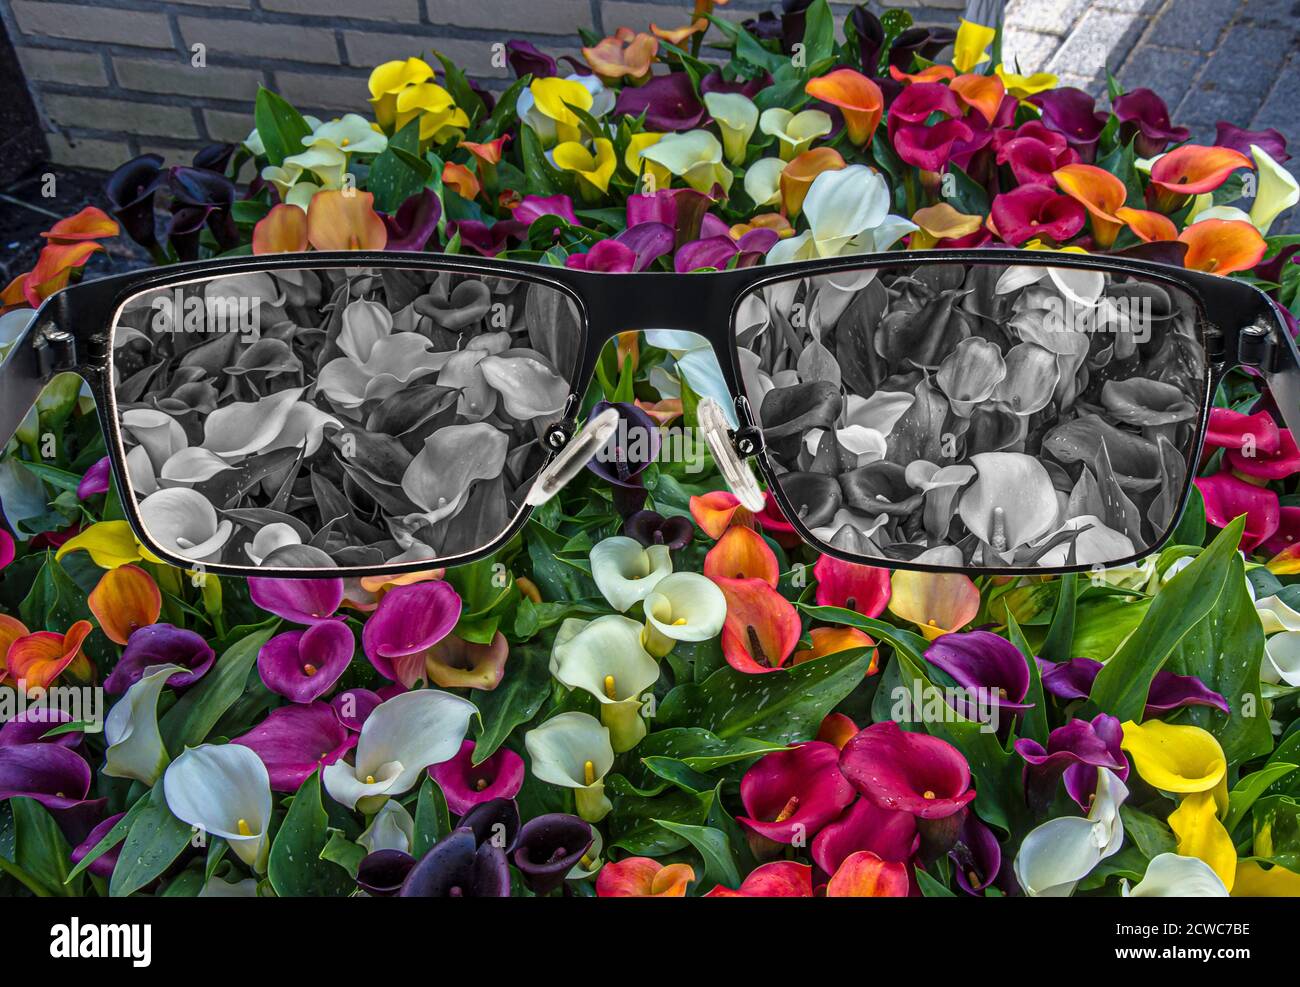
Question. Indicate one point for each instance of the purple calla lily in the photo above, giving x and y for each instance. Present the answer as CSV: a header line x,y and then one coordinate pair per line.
x,y
650,528
526,58
131,191
981,660
1073,679
534,207
354,705
717,252
293,741
415,223
94,480
408,621
1075,751
304,665
1144,115
32,724
457,866
302,601
714,82
976,856
548,847
1073,114
161,644
467,785
382,873
630,449
668,102
1272,141
497,819
56,777
103,865
891,835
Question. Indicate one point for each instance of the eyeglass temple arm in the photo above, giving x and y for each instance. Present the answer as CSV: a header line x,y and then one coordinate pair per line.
x,y
42,351
578,451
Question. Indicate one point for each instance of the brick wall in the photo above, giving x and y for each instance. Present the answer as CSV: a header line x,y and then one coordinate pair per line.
x,y
113,78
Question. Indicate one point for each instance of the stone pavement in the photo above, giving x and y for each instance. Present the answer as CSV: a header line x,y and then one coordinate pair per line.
x,y
1211,60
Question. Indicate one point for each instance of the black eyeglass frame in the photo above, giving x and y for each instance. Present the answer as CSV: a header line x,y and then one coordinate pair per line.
x,y
71,332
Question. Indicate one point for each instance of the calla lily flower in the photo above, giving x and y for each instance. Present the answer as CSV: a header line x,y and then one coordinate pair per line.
x,y
223,790
643,877
30,726
595,167
1011,503
650,528
135,747
794,132
454,663
741,553
790,795
982,93
463,181
1073,114
775,879
1267,464
605,659
283,230
1253,881
304,665
938,603
1172,876
124,600
908,772
1193,169
293,741
718,510
454,458
389,79
37,660
103,865
859,99
983,661
1034,211
1075,751
301,601
918,141
1100,192
184,522
971,47
684,606
408,622
1228,497
549,847
668,101
440,118
109,543
345,220
832,640
939,223
350,133
624,55
850,586
466,784
1069,680
1034,157
625,572
1281,659
1061,852
761,628
402,737
736,116
547,108
381,873
161,644
889,834
865,875
763,181
694,156
459,866
1200,833
1144,115
573,750
797,176
392,828
1278,190
1176,758
848,213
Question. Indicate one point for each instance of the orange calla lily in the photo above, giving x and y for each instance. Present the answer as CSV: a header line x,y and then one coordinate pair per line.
x,y
1149,226
89,224
773,221
937,602
365,593
38,659
283,230
718,510
858,98
983,93
797,176
931,73
124,600
678,35
941,222
865,875
463,180
829,640
490,152
1284,563
663,411
1222,246
339,219
11,629
628,346
1100,192
623,54
741,553
643,877
1194,169
836,729
761,629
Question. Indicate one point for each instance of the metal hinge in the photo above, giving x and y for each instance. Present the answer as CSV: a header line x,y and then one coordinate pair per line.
x,y
56,351
1256,347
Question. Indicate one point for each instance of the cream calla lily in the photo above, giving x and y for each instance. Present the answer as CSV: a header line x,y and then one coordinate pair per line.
x,y
794,132
402,737
223,790
573,750
1061,852
606,659
763,182
350,133
1171,876
392,828
685,606
135,747
1277,192
1275,615
625,572
695,157
736,116
1281,659
848,213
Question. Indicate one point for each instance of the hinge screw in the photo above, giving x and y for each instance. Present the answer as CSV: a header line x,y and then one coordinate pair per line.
x,y
557,437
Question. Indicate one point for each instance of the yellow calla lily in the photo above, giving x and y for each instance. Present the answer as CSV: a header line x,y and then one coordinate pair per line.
x,y
389,79
941,222
638,164
794,132
1176,758
1277,192
1200,834
1024,86
936,602
553,97
971,47
1253,881
110,544
440,117
595,167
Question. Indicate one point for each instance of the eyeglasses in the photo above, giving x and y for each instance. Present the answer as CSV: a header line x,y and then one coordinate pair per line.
x,y
992,411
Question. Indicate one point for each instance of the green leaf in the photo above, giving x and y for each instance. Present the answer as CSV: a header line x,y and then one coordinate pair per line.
x,y
931,888
1191,526
297,868
747,47
394,178
969,196
701,750
39,847
636,824
782,707
280,126
1034,722
457,84
155,840
1060,635
432,818
679,773
818,33
113,837
54,600
713,847
1246,792
188,723
543,179
55,477
1150,835
344,852
1122,685
515,701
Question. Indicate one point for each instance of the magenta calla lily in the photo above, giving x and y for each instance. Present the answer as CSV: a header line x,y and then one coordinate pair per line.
x,y
1036,211
908,772
1075,751
302,601
790,795
408,622
293,741
304,665
1228,497
161,644
466,784
889,834
863,588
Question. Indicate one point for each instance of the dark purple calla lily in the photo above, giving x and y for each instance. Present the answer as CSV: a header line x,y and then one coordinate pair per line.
x,y
632,448
923,42
200,199
56,777
631,251
94,480
987,662
1144,115
526,58
650,528
102,866
466,784
131,191
890,835
496,820
1074,751
1073,114
415,223
909,772
304,665
293,741
457,866
485,240
713,82
668,102
1068,680
1272,141
302,601
32,724
408,621
161,644
383,872
792,794
548,847
976,856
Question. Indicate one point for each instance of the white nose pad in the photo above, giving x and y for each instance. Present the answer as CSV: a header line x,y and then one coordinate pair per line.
x,y
740,478
576,454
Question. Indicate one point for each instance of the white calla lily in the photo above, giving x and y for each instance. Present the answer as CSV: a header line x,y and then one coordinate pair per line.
x,y
158,433
573,750
794,132
1275,615
625,572
736,116
350,133
392,828
848,213
223,790
1281,659
695,157
590,863
763,183
1278,190
269,537
684,606
135,747
399,740
1170,875
606,659
184,522
1061,852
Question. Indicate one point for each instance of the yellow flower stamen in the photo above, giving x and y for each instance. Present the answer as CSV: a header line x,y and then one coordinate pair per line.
x,y
927,794
370,779
243,828
610,691
589,773
309,669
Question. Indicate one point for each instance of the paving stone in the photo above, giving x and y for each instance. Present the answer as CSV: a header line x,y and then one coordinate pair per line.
x,y
1170,72
1208,106
1194,23
1248,59
1045,16
1029,50
1095,42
